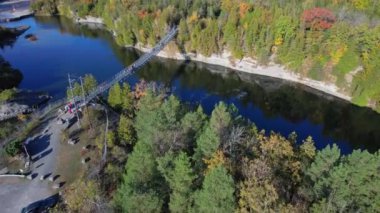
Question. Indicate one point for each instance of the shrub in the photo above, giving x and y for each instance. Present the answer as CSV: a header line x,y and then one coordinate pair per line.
x,y
45,7
13,147
348,62
7,94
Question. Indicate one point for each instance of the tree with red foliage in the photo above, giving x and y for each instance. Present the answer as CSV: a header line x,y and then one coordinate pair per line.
x,y
318,18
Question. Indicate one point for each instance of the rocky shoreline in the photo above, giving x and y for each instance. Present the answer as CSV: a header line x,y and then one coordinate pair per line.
x,y
225,59
24,102
247,65
14,10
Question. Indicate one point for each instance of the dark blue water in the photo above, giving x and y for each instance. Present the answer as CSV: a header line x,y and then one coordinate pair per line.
x,y
273,105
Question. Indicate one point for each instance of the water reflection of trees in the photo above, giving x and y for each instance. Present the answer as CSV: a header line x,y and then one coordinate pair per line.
x,y
9,77
6,40
66,25
340,120
95,31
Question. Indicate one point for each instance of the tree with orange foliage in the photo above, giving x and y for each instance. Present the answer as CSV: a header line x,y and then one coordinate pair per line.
x,y
244,8
140,89
142,14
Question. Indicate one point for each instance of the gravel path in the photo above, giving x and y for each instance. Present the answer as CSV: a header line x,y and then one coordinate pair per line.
x,y
17,193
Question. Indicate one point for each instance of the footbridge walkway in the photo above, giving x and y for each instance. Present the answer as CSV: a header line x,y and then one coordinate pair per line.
x,y
101,88
128,70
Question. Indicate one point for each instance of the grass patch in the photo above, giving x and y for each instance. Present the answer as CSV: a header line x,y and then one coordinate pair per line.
x,y
70,156
348,62
360,100
316,72
8,127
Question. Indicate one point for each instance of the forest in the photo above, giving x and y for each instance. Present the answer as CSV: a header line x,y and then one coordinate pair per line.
x,y
331,41
169,156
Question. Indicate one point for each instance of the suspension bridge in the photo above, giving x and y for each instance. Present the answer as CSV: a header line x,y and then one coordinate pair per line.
x,y
103,87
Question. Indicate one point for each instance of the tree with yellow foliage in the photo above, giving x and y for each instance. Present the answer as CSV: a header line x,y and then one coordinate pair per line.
x,y
83,196
217,159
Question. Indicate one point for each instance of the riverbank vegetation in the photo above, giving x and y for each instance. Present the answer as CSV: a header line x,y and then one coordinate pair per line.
x,y
168,156
331,41
9,78
89,84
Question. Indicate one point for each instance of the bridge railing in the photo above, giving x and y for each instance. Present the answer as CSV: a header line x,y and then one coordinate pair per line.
x,y
101,88
130,69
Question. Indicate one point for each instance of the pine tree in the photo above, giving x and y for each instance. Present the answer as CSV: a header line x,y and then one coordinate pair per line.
x,y
351,184
179,174
115,97
217,193
89,83
127,98
324,161
121,97
214,134
139,191
192,124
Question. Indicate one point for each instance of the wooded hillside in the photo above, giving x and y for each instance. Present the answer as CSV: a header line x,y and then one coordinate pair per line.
x,y
333,41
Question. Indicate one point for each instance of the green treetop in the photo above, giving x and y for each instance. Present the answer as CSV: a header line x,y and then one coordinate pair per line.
x,y
217,193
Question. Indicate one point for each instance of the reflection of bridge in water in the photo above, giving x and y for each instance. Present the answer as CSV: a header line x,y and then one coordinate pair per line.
x,y
101,88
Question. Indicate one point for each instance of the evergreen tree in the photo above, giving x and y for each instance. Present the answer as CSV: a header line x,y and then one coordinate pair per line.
x,y
121,97
77,91
350,185
324,161
89,83
127,98
183,32
115,96
214,133
217,193
178,173
140,190
192,124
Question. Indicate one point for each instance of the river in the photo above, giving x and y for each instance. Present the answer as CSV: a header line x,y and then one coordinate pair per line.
x,y
274,105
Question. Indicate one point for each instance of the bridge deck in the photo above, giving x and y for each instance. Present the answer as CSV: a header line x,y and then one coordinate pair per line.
x,y
101,88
